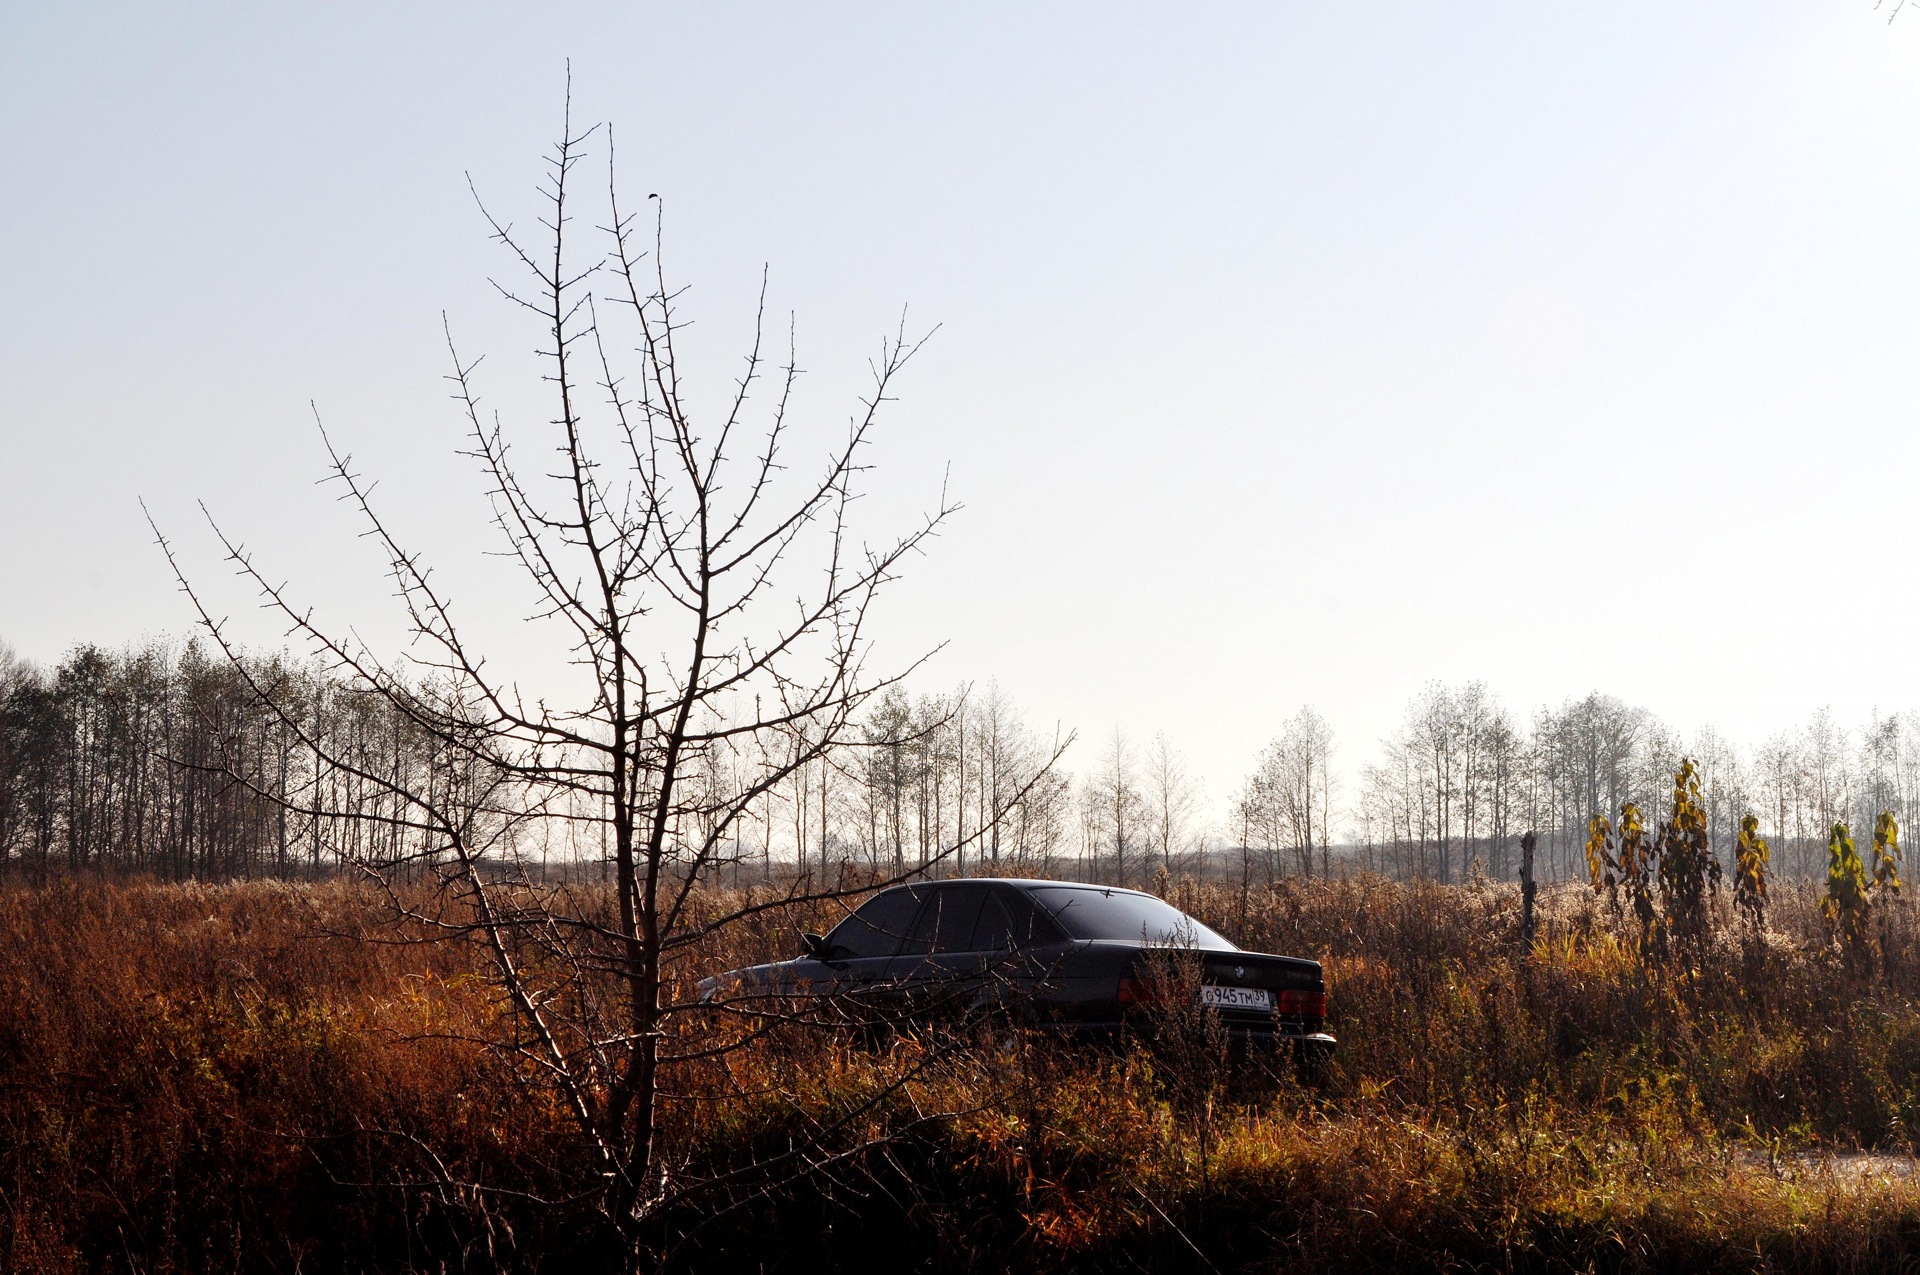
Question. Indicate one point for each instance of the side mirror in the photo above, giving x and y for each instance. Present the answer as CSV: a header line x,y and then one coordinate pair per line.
x,y
814,945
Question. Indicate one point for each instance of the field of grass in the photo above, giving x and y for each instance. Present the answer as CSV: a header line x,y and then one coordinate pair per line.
x,y
264,1078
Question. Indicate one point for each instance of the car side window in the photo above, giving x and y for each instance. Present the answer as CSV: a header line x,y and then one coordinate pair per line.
x,y
876,929
1010,922
947,922
994,933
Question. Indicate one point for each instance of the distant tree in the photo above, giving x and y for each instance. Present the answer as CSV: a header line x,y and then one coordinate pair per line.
x,y
1725,785
1500,780
1780,784
891,771
1171,799
1115,806
1293,790
29,747
1433,733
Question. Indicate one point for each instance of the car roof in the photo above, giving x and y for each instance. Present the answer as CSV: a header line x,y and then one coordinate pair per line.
x,y
1022,883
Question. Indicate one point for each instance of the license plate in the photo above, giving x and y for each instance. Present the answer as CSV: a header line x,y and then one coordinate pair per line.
x,y
1215,997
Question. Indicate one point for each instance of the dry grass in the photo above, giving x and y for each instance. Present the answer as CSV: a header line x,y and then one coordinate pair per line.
x,y
251,1077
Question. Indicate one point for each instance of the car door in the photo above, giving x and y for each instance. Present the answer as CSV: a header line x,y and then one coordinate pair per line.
x,y
1018,948
937,970
858,952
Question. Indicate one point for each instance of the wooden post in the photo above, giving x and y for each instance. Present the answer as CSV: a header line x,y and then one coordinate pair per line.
x,y
1526,893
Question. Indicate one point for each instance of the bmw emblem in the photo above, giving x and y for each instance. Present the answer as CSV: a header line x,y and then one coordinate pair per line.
x,y
1239,971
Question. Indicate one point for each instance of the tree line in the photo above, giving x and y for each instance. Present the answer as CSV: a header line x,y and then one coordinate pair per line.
x,y
164,758
172,760
1454,786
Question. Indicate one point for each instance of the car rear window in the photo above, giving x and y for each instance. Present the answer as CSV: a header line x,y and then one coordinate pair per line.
x,y
1089,912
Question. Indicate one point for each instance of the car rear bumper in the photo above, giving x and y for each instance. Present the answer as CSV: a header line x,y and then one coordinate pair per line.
x,y
1318,1045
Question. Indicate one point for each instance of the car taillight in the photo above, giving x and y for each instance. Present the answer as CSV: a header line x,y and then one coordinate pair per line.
x,y
1138,991
1303,1004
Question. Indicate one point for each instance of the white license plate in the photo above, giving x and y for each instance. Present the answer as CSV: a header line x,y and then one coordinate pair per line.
x,y
1235,997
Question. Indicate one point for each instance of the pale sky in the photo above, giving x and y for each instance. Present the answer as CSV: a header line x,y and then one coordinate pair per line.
x,y
1287,353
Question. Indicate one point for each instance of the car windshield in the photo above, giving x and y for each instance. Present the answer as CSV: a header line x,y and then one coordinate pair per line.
x,y
1089,912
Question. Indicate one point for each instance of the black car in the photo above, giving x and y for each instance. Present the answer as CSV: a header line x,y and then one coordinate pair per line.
x,y
1086,960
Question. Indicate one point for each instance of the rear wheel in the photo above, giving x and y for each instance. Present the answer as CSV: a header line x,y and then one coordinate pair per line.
x,y
1312,1061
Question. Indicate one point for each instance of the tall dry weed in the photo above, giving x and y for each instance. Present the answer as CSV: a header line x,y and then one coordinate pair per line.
x,y
272,1078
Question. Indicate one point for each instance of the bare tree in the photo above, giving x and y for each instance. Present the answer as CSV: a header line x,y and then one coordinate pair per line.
x,y
893,759
1112,805
1289,797
1307,743
718,604
1171,798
